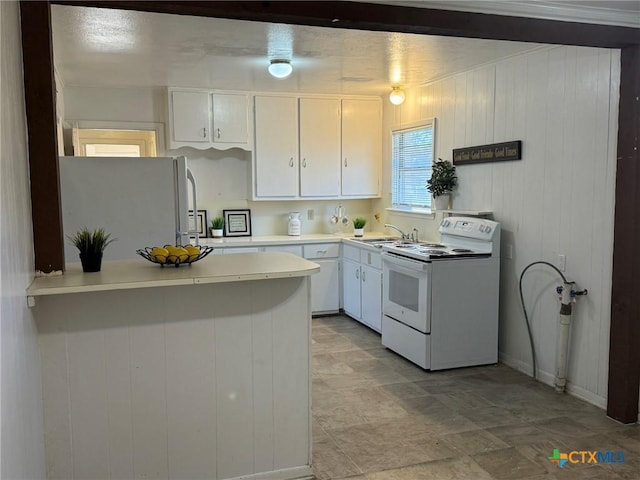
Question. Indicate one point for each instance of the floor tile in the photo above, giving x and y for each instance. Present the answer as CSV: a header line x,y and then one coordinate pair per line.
x,y
377,416
448,469
474,441
508,464
329,462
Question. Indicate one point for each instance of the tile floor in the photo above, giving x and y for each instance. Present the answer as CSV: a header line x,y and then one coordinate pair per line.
x,y
377,416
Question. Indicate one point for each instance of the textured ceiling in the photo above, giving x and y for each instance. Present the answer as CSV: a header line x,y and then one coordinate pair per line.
x,y
102,47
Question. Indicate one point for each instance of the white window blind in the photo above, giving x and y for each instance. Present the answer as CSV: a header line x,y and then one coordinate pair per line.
x,y
412,157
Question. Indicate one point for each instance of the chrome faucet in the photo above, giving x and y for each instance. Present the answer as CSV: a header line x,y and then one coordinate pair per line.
x,y
404,235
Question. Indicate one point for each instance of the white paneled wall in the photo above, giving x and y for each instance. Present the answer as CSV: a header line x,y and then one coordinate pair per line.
x,y
22,435
562,102
199,382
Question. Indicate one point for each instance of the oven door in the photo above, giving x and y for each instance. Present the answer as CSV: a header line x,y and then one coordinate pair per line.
x,y
406,291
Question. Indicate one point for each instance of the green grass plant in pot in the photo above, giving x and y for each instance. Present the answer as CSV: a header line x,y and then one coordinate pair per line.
x,y
217,225
358,226
442,182
91,245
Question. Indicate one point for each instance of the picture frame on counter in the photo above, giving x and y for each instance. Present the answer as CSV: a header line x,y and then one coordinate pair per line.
x,y
237,223
198,223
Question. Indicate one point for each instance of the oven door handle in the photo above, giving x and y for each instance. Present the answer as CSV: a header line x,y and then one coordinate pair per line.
x,y
404,262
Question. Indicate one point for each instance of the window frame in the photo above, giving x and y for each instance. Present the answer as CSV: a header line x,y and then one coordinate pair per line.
x,y
411,210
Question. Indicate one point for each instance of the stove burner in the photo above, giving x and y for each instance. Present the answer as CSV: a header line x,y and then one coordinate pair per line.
x,y
403,245
461,250
432,245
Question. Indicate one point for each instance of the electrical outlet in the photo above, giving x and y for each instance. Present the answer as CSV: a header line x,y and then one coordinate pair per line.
x,y
562,262
508,251
310,214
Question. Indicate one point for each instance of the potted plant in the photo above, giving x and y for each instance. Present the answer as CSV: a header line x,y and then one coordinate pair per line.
x,y
217,225
442,182
358,226
91,245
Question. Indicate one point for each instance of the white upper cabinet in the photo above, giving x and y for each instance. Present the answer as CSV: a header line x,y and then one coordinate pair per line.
x,y
316,147
276,134
191,117
230,118
206,119
319,147
361,147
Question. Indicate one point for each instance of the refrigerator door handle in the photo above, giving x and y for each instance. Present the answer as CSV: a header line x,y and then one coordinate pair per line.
x,y
194,202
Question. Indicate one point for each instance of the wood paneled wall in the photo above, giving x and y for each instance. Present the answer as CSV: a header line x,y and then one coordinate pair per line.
x,y
562,102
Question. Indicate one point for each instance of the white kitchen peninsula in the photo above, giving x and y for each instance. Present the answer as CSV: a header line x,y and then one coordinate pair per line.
x,y
191,372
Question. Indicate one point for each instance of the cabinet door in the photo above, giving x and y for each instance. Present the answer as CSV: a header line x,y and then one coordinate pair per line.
x,y
325,296
361,147
371,297
191,116
276,149
230,118
319,147
351,288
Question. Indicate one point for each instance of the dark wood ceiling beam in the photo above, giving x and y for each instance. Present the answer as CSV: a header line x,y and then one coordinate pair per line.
x,y
377,17
40,103
624,341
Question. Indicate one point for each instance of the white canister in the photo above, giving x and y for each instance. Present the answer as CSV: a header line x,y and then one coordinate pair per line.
x,y
294,223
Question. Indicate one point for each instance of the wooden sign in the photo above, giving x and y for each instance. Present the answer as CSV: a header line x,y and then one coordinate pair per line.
x,y
496,152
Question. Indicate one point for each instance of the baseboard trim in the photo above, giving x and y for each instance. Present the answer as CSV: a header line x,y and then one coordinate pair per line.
x,y
548,378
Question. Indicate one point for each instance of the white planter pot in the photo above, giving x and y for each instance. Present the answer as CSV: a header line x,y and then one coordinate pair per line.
x,y
441,202
358,232
216,233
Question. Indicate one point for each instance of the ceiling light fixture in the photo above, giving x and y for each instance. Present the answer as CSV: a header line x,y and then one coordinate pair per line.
x,y
396,96
280,68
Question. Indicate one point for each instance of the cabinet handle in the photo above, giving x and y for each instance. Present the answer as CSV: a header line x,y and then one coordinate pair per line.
x,y
204,132
345,162
218,131
291,162
304,163
358,274
321,252
363,272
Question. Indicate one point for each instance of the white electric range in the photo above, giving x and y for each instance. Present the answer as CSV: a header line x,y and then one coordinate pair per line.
x,y
440,300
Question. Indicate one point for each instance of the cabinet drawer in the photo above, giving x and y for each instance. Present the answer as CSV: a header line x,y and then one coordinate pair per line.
x,y
240,250
322,250
351,253
373,259
295,249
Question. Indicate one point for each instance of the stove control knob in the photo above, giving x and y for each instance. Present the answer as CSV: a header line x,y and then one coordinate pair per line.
x,y
487,230
481,228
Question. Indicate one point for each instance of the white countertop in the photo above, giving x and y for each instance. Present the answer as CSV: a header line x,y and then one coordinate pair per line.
x,y
140,273
265,240
273,240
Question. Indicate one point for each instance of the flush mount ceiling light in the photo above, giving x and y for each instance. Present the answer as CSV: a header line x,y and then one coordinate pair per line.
x,y
396,96
280,68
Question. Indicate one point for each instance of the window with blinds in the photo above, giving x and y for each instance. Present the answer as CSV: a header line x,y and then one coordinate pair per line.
x,y
412,157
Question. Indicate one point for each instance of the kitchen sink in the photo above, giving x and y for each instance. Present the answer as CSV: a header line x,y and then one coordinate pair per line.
x,y
380,242
374,240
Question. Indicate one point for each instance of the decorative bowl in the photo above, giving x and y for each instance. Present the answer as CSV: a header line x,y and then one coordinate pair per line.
x,y
175,258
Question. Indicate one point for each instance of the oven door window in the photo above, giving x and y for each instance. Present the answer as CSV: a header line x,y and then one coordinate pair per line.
x,y
404,290
407,295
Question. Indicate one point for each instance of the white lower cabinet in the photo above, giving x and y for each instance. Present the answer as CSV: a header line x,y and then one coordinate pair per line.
x,y
352,288
325,285
362,285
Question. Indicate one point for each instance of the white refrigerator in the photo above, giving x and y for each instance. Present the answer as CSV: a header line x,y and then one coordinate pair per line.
x,y
141,202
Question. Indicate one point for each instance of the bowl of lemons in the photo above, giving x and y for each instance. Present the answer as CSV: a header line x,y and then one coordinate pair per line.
x,y
175,254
